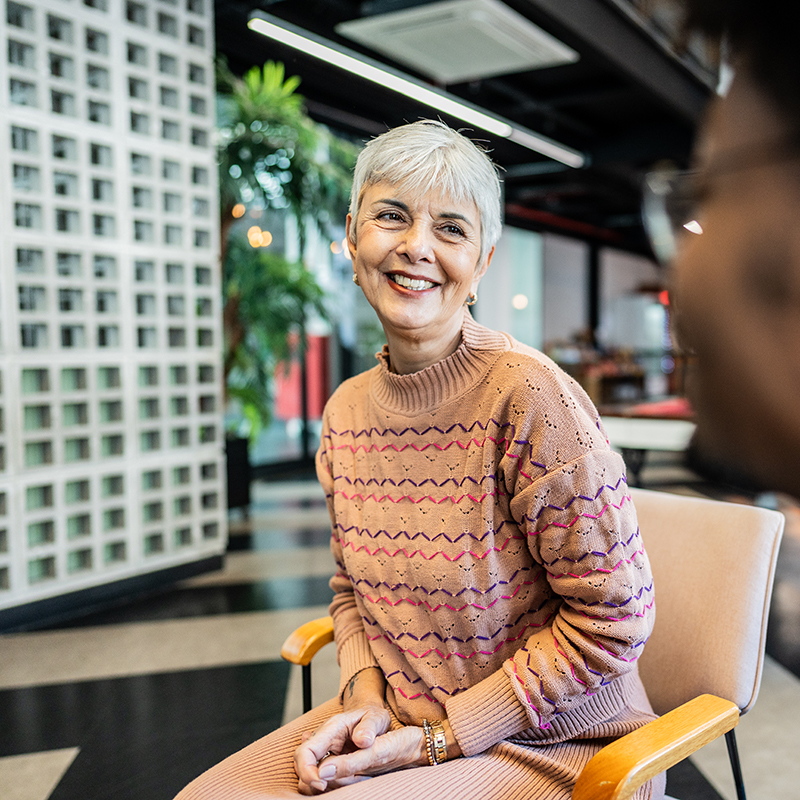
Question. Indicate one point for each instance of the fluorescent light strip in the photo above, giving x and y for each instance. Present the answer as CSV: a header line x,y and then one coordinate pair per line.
x,y
287,34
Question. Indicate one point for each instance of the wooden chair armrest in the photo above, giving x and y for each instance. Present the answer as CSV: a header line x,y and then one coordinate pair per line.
x,y
303,643
624,765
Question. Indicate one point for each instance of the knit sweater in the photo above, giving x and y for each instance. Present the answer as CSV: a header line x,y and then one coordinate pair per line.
x,y
488,555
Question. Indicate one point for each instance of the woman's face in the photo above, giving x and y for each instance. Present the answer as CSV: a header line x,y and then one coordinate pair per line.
x,y
417,259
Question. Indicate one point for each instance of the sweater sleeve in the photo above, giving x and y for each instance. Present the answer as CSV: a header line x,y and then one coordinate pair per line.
x,y
352,647
582,532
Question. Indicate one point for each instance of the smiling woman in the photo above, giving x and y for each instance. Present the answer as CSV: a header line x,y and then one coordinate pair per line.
x,y
492,593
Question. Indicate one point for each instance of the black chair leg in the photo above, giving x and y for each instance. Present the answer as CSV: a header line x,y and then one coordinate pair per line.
x,y
733,755
307,690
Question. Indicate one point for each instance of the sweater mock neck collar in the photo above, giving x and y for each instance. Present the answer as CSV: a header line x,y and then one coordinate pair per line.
x,y
423,391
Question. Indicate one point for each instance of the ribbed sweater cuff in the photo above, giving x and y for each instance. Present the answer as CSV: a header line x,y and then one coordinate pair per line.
x,y
354,655
485,714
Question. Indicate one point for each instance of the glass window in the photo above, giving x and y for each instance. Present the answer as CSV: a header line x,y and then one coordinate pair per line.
x,y
59,29
102,190
30,260
108,336
67,220
96,42
21,54
110,410
112,444
172,202
198,105
167,64
61,66
65,148
19,16
170,130
104,225
25,140
143,231
76,449
137,54
197,74
146,304
97,77
196,35
112,485
168,96
109,378
27,215
168,25
36,418
32,298
146,337
205,373
79,525
176,305
27,179
199,137
73,379
178,375
70,299
35,381
144,271
33,334
100,155
141,197
73,336
38,453
138,89
106,302
176,337
76,491
136,13
98,112
204,307
41,533
141,164
170,170
174,272
79,560
140,123
68,264
65,184
152,479
105,266
200,176
173,234
63,103
148,376
74,414
22,93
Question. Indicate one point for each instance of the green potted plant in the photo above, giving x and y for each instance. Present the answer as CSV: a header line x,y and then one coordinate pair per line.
x,y
273,158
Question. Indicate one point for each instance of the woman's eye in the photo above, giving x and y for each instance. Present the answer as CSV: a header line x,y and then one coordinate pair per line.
x,y
453,230
390,216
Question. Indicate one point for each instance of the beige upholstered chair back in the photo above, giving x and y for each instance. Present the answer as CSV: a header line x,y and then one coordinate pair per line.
x,y
713,566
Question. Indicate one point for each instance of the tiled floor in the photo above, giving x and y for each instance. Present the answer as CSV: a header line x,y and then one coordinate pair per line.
x,y
134,702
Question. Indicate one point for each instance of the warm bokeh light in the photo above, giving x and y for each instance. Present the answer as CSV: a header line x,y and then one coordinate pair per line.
x,y
238,210
266,239
519,301
336,248
259,238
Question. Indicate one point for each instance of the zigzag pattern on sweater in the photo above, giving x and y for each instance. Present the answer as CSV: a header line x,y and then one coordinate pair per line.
x,y
393,587
589,604
442,535
431,607
444,639
448,656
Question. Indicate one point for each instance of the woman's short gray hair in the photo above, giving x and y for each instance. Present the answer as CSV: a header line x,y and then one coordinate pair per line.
x,y
427,155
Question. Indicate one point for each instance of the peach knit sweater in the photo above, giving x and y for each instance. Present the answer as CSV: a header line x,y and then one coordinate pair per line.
x,y
489,560
490,564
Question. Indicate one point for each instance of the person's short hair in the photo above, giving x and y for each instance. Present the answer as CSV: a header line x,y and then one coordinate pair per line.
x,y
428,155
764,34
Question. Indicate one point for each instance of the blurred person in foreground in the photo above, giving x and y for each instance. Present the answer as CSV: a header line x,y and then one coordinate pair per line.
x,y
736,285
492,593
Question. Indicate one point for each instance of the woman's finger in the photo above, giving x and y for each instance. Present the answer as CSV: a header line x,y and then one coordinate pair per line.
x,y
375,722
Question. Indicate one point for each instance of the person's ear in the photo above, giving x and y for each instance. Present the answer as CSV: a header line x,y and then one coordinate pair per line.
x,y
480,270
350,242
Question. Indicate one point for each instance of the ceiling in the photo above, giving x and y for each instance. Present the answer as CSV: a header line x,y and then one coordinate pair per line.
x,y
627,102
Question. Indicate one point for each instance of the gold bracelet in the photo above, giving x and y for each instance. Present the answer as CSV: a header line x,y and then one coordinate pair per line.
x,y
439,741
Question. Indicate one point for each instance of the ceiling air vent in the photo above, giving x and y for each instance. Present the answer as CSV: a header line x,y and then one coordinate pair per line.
x,y
460,40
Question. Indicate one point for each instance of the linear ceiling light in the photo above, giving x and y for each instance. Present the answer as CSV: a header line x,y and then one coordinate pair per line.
x,y
366,68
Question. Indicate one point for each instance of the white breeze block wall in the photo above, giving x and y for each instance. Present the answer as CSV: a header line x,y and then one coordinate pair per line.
x,y
111,446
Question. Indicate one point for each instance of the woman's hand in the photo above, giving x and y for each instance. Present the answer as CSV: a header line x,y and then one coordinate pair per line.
x,y
354,746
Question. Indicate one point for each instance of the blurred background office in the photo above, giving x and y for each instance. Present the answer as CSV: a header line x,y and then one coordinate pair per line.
x,y
176,307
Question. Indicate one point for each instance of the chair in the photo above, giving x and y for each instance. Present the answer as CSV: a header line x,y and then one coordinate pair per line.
x,y
713,565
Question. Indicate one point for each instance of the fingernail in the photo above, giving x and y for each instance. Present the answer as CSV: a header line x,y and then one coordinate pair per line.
x,y
327,771
320,786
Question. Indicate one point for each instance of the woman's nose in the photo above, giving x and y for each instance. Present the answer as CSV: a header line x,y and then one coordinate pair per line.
x,y
417,243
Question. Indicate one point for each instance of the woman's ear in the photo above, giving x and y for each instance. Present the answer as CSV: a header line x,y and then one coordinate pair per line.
x,y
350,242
480,271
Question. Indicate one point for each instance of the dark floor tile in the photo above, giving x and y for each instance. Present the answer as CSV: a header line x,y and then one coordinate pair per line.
x,y
145,737
686,782
279,539
201,601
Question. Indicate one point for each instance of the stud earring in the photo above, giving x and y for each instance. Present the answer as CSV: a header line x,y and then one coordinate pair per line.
x,y
472,298
355,280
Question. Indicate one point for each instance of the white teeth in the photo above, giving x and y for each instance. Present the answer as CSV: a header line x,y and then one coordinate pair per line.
x,y
412,283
